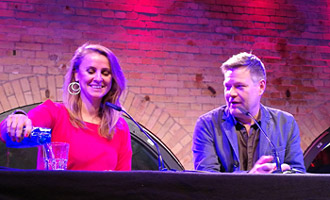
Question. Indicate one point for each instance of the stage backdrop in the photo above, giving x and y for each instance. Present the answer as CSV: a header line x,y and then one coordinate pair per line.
x,y
170,52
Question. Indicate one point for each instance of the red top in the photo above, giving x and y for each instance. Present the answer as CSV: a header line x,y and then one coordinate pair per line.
x,y
88,150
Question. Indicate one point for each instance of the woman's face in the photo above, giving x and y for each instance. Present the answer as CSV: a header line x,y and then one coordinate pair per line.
x,y
94,76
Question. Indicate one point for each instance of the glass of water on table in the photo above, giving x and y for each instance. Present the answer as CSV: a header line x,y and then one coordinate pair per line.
x,y
55,155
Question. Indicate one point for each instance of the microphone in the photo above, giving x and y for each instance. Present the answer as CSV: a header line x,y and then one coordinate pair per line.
x,y
277,158
161,166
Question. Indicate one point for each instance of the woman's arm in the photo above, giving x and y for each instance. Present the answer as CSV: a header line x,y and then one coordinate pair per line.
x,y
17,126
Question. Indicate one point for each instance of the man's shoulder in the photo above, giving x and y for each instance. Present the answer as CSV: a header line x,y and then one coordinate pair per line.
x,y
275,112
211,119
217,112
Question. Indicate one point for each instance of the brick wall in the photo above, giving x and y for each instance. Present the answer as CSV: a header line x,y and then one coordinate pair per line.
x,y
170,52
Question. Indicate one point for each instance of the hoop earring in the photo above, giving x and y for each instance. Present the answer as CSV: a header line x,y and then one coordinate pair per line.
x,y
74,88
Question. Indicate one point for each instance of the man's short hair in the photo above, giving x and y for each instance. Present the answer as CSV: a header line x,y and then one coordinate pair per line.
x,y
252,62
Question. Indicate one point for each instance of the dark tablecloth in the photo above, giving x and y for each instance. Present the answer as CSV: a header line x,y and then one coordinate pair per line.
x,y
33,184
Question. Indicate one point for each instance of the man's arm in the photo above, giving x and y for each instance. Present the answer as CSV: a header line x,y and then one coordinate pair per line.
x,y
294,155
204,153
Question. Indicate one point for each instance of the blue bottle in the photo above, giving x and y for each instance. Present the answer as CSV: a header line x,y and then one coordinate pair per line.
x,y
38,136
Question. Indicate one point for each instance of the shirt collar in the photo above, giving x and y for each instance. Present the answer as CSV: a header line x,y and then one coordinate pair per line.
x,y
229,117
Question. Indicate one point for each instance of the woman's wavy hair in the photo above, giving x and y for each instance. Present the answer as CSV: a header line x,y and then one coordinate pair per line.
x,y
73,103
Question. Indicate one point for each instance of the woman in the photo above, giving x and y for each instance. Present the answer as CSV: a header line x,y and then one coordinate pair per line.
x,y
99,138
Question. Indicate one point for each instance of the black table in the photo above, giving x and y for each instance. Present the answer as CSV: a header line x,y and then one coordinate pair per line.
x,y
34,184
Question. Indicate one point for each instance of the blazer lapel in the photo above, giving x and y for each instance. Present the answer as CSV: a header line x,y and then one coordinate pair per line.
x,y
265,148
229,130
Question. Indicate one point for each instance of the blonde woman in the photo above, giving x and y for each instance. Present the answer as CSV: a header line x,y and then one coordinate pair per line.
x,y
99,138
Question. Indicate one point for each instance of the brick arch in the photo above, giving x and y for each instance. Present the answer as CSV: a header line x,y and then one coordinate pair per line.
x,y
35,89
160,122
315,122
30,90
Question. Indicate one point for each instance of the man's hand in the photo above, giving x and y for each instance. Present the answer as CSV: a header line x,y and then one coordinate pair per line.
x,y
263,166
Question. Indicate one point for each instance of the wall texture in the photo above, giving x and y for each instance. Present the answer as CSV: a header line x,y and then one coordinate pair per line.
x,y
170,52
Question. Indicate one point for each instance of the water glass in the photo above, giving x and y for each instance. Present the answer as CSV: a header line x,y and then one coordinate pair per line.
x,y
55,155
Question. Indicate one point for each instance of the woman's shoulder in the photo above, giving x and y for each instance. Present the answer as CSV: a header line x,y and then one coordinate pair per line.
x,y
122,132
53,105
122,124
47,114
50,107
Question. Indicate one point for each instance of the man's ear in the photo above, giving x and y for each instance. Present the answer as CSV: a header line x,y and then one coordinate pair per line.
x,y
262,86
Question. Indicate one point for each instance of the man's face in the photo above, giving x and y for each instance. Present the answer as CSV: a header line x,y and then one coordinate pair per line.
x,y
241,91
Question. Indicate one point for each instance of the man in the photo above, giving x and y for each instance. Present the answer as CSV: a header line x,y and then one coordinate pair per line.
x,y
226,139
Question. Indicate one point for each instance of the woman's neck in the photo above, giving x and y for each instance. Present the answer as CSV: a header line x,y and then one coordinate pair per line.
x,y
90,112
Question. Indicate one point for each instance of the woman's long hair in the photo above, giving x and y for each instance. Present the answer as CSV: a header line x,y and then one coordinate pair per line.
x,y
73,103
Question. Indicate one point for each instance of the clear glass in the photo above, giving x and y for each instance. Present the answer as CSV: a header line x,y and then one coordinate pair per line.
x,y
55,155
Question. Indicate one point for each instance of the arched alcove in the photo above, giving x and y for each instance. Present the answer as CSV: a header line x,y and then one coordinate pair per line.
x,y
313,123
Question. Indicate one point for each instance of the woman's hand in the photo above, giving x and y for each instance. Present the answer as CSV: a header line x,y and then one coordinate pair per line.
x,y
18,126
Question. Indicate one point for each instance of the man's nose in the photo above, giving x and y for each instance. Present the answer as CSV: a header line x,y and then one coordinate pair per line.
x,y
232,91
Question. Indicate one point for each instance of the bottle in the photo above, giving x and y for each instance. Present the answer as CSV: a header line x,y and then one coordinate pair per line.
x,y
38,136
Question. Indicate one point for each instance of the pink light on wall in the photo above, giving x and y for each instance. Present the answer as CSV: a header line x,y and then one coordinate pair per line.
x,y
145,9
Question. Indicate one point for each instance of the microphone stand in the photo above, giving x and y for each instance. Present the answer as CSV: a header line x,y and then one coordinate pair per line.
x,y
276,157
161,166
